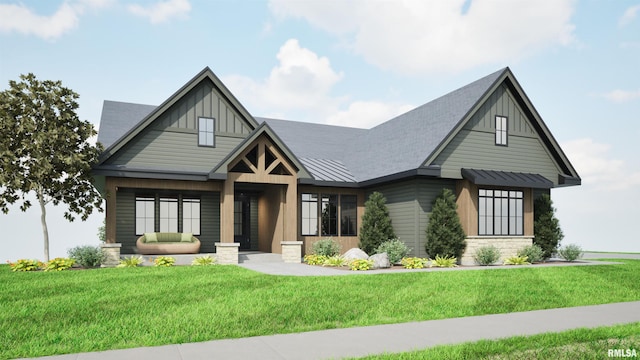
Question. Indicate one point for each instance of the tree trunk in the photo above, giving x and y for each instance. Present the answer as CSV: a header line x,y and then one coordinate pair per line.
x,y
43,220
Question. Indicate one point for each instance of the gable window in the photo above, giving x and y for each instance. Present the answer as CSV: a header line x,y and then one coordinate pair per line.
x,y
348,212
145,214
310,214
206,132
501,130
500,212
329,214
191,216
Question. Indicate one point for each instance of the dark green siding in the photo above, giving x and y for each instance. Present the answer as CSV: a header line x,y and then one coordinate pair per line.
x,y
409,203
126,227
474,146
171,142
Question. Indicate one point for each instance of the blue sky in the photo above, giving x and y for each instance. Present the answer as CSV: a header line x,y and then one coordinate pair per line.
x,y
352,63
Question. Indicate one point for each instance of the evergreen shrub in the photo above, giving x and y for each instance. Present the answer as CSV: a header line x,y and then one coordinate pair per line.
x,y
376,224
445,236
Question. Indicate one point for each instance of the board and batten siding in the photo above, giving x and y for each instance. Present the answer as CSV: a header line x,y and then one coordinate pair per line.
x,y
171,142
409,203
474,146
126,219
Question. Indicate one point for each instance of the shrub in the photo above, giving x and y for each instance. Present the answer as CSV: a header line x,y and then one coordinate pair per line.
x,y
394,248
376,223
487,255
570,252
444,261
164,261
533,253
336,261
59,264
26,265
327,247
414,262
445,236
361,264
203,260
131,261
546,227
517,260
87,256
314,259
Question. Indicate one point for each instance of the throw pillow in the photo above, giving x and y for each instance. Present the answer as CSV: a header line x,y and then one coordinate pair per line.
x,y
150,237
186,237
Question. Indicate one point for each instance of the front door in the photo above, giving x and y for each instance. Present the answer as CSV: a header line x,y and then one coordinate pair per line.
x,y
242,221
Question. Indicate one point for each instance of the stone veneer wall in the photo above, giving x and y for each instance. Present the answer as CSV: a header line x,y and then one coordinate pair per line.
x,y
227,253
508,246
292,251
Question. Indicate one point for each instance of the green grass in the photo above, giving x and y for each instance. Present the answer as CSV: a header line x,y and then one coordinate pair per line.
x,y
90,310
582,344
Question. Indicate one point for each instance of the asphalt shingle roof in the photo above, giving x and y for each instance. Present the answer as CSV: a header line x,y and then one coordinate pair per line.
x,y
118,118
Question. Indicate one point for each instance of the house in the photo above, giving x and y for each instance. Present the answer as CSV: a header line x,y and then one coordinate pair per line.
x,y
201,163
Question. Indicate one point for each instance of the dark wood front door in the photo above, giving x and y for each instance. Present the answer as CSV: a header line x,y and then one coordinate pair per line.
x,y
242,221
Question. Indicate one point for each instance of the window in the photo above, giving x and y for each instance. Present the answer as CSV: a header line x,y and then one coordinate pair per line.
x,y
206,132
501,130
168,215
191,216
348,215
145,215
329,215
500,212
310,214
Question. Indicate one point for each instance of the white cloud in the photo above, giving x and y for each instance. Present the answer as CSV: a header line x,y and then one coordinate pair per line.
x,y
20,18
621,96
598,168
629,15
416,36
300,88
162,11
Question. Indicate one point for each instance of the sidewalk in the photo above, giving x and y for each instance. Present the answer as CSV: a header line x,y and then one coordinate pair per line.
x,y
362,341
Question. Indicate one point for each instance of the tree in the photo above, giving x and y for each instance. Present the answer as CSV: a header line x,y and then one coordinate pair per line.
x,y
445,236
376,224
546,227
44,150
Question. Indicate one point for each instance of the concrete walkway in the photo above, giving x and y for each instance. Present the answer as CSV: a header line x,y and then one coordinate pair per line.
x,y
362,341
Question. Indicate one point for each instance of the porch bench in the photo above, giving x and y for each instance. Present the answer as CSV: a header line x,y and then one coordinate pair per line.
x,y
167,243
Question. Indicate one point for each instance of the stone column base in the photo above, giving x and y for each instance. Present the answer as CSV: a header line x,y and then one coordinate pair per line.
x,y
227,253
292,251
111,253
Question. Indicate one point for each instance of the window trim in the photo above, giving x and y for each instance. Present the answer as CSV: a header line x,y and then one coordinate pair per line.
x,y
354,202
511,212
502,131
332,218
309,219
191,200
144,198
316,199
205,132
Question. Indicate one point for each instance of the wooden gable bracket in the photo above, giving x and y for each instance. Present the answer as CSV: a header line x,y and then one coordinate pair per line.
x,y
262,159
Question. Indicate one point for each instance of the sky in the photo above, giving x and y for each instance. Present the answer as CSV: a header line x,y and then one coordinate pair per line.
x,y
351,63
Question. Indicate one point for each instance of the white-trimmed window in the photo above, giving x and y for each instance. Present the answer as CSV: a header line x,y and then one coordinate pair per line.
x,y
168,215
500,212
501,130
206,131
191,216
145,214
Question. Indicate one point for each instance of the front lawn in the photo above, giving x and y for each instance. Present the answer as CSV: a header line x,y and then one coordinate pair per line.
x,y
44,313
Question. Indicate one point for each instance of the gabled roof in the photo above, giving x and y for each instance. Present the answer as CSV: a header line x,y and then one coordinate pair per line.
x,y
118,118
150,117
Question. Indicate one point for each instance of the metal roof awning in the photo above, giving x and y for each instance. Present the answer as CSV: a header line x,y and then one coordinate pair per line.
x,y
506,178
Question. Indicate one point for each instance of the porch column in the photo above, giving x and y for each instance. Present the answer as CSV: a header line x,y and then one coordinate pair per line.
x,y
110,197
226,210
290,231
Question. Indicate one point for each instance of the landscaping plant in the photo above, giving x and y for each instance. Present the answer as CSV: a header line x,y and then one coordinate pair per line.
x,y
570,252
533,253
131,261
516,260
376,223
165,261
335,261
314,259
26,265
445,236
394,248
414,262
487,255
87,256
327,247
444,261
203,260
361,264
59,264
546,227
